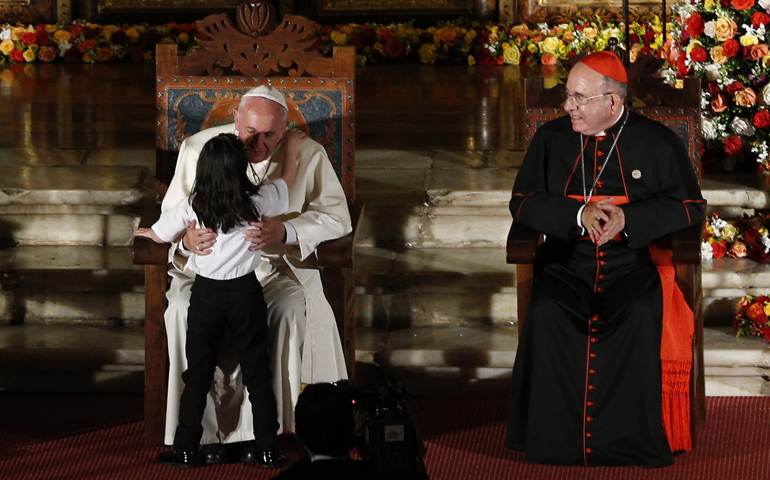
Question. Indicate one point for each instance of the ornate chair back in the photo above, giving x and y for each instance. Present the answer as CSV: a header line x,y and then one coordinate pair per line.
x,y
201,90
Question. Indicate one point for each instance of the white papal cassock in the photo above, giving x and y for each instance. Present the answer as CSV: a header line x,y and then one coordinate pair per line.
x,y
302,351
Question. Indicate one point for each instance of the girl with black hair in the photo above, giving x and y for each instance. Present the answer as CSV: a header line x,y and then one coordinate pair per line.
x,y
226,293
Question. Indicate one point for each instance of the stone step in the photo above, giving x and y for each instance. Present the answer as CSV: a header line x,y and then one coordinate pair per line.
x,y
70,285
423,287
68,197
429,360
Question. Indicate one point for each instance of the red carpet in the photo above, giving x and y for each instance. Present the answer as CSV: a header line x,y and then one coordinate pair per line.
x,y
98,436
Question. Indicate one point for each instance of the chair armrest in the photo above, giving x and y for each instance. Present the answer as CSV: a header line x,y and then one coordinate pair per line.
x,y
147,252
338,253
521,244
685,245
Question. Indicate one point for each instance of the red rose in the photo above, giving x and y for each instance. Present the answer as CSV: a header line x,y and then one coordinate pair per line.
x,y
17,55
761,119
713,88
742,4
734,146
724,3
734,87
699,54
137,54
731,47
766,332
694,25
29,38
759,18
634,38
681,68
718,249
649,37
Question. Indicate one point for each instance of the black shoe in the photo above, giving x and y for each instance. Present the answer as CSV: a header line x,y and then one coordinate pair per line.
x,y
216,454
266,458
180,458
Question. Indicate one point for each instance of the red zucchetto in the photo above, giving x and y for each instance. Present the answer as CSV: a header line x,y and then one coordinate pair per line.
x,y
606,63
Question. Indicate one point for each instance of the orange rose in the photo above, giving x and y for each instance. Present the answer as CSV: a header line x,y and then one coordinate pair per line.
x,y
725,28
756,52
448,35
742,4
548,59
86,45
103,54
718,249
47,54
738,250
746,97
720,103
756,313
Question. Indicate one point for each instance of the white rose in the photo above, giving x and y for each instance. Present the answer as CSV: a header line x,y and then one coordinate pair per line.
x,y
708,129
764,4
766,92
742,126
709,29
712,71
5,34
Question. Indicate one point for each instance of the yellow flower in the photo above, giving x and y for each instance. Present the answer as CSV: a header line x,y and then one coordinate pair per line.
x,y
6,47
766,309
709,5
50,28
549,45
725,28
88,58
611,32
338,37
511,55
590,33
532,48
183,37
749,40
60,36
718,56
132,33
378,47
17,32
427,53
693,43
29,55
470,35
600,44
471,60
765,60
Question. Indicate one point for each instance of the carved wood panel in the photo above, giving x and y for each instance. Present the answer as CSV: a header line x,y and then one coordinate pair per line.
x,y
28,11
564,11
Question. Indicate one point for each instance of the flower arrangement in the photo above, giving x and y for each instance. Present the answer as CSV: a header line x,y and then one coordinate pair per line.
x,y
82,42
473,43
724,42
751,316
744,237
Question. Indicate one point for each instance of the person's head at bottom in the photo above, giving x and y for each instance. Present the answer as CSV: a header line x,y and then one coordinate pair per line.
x,y
324,420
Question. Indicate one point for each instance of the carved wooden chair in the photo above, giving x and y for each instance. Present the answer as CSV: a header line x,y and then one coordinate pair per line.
x,y
201,90
679,109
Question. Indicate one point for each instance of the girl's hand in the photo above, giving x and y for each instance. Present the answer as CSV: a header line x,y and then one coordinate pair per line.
x,y
293,139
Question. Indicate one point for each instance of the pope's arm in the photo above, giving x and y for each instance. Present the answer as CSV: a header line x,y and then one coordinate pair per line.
x,y
325,214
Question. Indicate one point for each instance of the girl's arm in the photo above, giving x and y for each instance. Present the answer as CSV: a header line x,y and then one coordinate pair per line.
x,y
148,233
292,139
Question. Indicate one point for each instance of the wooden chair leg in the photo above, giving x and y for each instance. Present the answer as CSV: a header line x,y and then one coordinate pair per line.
x,y
155,355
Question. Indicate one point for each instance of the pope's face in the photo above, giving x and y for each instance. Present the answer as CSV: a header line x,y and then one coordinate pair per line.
x,y
596,114
261,124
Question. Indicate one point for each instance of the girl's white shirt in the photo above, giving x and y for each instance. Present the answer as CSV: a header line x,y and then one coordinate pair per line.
x,y
230,256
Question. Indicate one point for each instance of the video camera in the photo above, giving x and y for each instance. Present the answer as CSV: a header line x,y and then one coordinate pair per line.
x,y
386,435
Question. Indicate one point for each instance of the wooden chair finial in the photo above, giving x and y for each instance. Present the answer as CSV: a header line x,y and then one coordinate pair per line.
x,y
256,18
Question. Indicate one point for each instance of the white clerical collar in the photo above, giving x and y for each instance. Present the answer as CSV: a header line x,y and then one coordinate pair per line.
x,y
617,119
